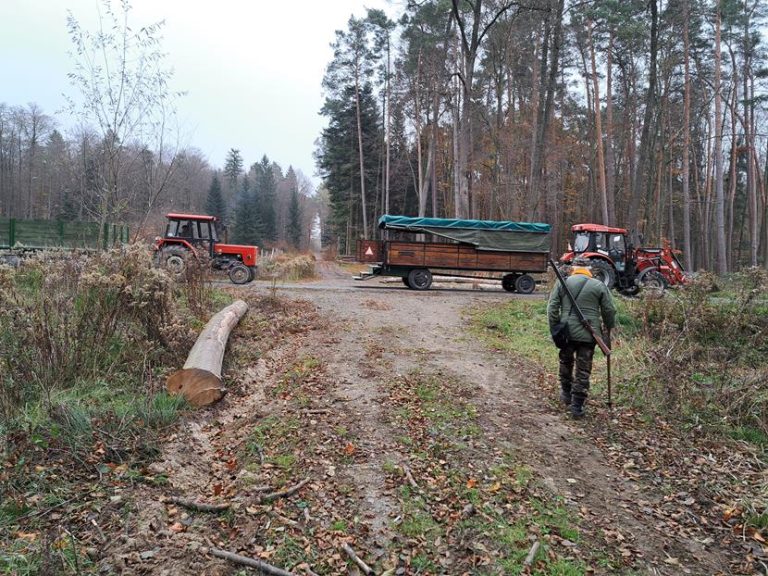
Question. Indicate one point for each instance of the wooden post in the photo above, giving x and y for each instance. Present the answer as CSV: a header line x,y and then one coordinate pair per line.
x,y
200,379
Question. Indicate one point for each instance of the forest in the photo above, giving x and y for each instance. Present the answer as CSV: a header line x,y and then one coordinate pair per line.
x,y
644,115
647,115
117,152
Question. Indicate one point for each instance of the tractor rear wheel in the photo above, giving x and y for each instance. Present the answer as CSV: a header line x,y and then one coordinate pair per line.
x,y
419,279
239,273
652,279
174,259
525,284
604,272
508,282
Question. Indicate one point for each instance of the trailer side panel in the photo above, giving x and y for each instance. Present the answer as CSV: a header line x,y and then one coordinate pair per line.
x,y
461,257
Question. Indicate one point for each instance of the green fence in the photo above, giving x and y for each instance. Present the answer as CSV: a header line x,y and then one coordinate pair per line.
x,y
40,234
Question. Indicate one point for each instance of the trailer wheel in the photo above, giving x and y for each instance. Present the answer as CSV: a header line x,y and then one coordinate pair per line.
x,y
525,284
419,279
508,282
405,281
239,274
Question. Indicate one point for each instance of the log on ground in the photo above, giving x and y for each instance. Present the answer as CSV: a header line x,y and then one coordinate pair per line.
x,y
200,380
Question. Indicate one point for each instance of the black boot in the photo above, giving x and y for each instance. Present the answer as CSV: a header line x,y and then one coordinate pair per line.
x,y
565,394
577,407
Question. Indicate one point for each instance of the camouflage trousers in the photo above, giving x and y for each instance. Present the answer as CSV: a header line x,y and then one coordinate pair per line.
x,y
580,354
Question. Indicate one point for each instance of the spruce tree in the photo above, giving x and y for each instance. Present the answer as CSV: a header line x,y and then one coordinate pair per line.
x,y
247,222
233,167
267,190
214,203
294,220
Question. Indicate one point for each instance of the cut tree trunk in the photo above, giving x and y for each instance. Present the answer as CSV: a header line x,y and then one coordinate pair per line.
x,y
200,379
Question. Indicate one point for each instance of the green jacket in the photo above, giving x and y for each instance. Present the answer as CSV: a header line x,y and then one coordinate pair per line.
x,y
594,300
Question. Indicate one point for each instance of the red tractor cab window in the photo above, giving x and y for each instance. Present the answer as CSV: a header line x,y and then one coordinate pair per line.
x,y
581,242
617,250
192,230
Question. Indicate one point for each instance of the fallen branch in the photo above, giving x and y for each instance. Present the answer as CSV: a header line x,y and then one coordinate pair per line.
x,y
409,476
199,506
307,569
282,493
283,519
356,559
532,554
251,562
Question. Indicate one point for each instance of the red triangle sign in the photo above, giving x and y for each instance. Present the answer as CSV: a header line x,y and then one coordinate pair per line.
x,y
369,252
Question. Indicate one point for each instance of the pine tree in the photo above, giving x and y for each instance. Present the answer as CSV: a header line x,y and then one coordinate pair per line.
x,y
214,203
337,159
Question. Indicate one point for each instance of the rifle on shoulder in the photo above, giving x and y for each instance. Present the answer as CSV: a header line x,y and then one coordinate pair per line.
x,y
579,314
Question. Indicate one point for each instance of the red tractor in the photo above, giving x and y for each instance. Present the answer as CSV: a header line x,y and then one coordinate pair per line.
x,y
616,263
189,235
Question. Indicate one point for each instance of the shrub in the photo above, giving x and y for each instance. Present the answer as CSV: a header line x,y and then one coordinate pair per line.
x,y
286,267
706,352
67,319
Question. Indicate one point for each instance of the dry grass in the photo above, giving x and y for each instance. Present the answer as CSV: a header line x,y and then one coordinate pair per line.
x,y
290,267
69,319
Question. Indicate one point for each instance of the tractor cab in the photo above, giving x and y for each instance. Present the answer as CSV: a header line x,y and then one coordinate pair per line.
x,y
609,251
195,230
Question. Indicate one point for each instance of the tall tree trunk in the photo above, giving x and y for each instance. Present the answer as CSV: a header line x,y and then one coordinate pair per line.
x,y
387,135
360,153
730,215
538,71
610,160
754,234
601,187
687,252
722,262
543,125
643,177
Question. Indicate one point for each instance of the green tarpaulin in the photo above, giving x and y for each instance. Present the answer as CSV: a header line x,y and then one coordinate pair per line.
x,y
503,236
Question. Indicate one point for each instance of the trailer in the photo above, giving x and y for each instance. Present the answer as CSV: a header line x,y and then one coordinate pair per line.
x,y
416,249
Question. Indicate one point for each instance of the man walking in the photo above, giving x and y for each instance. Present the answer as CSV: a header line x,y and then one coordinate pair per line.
x,y
595,301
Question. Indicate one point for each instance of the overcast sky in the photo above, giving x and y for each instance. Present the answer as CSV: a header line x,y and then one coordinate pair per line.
x,y
252,69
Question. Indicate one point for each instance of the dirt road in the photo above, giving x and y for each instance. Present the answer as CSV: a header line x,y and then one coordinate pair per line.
x,y
424,449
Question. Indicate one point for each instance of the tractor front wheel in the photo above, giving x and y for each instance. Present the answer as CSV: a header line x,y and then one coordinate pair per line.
x,y
174,259
239,274
604,272
652,279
